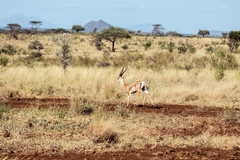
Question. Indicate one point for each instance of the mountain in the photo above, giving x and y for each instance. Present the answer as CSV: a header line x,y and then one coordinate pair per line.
x,y
100,25
23,20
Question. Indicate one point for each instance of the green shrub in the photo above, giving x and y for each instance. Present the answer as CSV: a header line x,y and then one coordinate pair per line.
x,y
223,60
219,74
4,61
147,45
171,46
209,49
191,49
85,108
8,49
182,49
125,47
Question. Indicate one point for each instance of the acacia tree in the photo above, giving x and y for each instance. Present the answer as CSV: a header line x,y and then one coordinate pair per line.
x,y
77,28
157,29
203,32
234,39
14,28
112,34
35,25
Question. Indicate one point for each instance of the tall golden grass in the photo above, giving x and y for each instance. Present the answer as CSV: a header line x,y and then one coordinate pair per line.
x,y
195,87
42,131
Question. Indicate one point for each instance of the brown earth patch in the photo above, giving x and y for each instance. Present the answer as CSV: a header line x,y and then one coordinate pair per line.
x,y
149,152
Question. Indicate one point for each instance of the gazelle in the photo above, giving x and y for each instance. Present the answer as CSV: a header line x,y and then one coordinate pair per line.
x,y
138,86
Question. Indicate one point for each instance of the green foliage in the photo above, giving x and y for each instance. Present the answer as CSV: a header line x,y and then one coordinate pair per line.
x,y
85,108
77,28
223,60
36,45
200,62
61,113
147,45
234,38
86,61
203,32
191,48
219,74
125,47
112,34
64,41
171,46
182,49
8,49
209,49
3,60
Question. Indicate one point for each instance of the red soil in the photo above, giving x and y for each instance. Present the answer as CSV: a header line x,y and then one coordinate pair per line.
x,y
149,152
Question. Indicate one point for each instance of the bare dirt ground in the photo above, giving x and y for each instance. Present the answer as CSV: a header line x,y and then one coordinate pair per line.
x,y
149,151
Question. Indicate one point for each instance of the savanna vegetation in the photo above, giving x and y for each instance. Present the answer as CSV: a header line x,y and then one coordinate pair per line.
x,y
84,68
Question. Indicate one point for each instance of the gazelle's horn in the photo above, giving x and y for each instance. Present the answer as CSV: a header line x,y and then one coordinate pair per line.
x,y
122,72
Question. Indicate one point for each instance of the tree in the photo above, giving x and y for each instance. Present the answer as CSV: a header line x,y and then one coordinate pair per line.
x,y
36,45
173,33
157,29
234,39
77,28
35,25
112,34
14,28
94,30
203,32
64,56
224,34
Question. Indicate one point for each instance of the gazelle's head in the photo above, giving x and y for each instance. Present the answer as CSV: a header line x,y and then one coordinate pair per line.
x,y
121,74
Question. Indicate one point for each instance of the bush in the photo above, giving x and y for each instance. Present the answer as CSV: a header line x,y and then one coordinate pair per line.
x,y
125,47
85,108
8,49
147,45
223,60
219,74
191,49
182,49
209,49
4,61
171,46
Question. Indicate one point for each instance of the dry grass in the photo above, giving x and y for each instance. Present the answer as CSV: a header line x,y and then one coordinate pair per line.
x,y
35,130
50,132
196,87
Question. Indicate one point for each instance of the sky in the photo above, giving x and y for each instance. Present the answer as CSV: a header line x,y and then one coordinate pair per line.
x,y
182,16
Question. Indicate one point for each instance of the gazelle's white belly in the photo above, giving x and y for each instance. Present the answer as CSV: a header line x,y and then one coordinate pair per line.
x,y
133,90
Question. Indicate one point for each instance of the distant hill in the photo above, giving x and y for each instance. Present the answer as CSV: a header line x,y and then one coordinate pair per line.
x,y
23,20
100,25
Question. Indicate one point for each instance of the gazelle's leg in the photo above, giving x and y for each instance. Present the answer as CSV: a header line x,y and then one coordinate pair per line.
x,y
144,98
150,99
147,94
128,99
